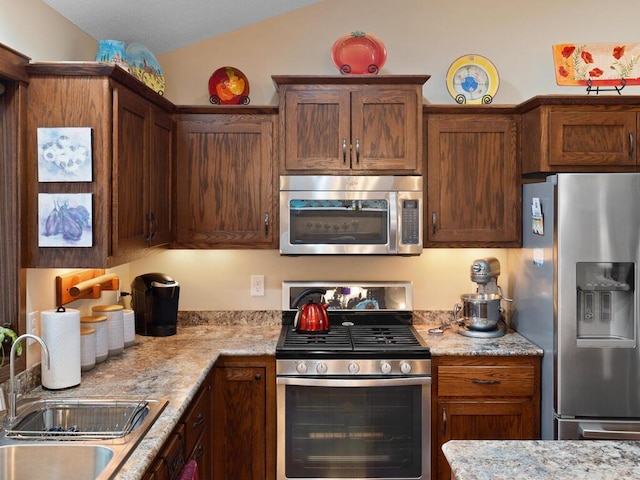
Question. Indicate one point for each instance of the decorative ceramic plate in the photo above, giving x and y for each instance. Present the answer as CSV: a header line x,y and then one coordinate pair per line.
x,y
228,86
614,64
472,79
359,53
145,67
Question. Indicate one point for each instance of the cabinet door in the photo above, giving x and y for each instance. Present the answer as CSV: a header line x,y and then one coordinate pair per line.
x,y
239,423
160,178
386,126
578,138
477,420
317,130
225,180
473,185
130,201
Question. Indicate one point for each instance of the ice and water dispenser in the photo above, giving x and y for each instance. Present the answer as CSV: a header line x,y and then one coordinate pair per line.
x,y
605,309
154,299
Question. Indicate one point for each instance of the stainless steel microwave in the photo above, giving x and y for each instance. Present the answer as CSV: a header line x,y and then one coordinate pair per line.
x,y
350,215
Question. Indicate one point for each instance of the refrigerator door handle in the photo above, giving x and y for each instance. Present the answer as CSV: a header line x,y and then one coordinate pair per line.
x,y
598,434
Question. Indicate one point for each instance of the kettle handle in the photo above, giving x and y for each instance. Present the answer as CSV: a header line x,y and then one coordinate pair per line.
x,y
322,291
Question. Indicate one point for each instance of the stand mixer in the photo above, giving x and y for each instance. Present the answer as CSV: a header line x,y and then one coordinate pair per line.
x,y
481,313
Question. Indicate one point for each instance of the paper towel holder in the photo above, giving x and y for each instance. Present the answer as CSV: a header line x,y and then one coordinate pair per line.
x,y
84,284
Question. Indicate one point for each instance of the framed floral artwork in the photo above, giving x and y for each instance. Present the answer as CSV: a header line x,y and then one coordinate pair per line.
x,y
611,64
65,219
64,154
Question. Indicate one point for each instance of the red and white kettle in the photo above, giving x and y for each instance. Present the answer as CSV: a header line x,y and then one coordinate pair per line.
x,y
311,317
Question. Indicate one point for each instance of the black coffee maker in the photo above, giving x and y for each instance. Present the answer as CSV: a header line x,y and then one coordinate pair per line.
x,y
154,299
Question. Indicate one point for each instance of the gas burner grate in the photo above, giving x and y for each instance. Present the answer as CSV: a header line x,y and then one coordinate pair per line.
x,y
393,336
337,338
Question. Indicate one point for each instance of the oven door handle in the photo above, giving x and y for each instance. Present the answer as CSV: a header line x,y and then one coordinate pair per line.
x,y
354,382
601,434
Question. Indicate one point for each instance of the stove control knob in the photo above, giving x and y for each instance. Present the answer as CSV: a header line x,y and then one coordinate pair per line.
x,y
405,367
301,367
354,367
321,367
385,367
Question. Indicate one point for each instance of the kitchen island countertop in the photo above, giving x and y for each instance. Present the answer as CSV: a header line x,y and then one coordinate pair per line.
x,y
174,367
543,459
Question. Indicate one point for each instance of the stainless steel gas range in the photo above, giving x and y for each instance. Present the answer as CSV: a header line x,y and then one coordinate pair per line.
x,y
353,402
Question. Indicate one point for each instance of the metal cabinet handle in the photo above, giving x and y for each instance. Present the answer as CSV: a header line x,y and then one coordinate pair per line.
x,y
357,151
477,381
434,221
444,422
258,376
154,225
266,223
199,420
344,150
631,145
199,452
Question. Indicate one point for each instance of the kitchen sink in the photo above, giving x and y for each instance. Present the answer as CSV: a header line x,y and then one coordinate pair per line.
x,y
82,418
75,438
28,461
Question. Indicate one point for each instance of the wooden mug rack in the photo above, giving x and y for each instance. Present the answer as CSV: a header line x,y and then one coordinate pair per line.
x,y
84,284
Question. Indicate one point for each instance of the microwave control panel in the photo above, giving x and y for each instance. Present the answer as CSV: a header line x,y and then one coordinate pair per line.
x,y
410,222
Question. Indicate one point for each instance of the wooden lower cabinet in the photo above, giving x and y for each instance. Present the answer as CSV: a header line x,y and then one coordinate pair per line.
x,y
244,434
190,440
483,398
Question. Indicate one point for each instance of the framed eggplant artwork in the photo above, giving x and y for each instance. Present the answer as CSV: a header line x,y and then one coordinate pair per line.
x,y
65,219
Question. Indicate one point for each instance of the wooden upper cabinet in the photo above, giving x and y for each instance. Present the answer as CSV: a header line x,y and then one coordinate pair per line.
x,y
586,138
161,177
473,181
132,143
597,134
351,124
143,170
225,176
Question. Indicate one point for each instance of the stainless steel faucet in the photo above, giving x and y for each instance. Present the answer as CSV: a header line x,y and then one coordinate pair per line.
x,y
13,394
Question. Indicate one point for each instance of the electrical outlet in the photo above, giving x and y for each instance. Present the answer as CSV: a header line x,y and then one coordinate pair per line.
x,y
32,326
257,285
118,295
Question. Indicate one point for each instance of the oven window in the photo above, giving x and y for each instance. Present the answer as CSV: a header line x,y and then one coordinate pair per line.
x,y
353,432
343,222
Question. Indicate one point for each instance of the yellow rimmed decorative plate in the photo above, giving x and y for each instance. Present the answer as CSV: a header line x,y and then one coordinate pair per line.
x,y
472,79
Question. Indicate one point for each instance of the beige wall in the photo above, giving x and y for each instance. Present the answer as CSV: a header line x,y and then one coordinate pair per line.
x,y
420,36
34,29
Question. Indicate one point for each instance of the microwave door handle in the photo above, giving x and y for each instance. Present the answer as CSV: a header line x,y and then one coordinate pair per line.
x,y
394,208
601,434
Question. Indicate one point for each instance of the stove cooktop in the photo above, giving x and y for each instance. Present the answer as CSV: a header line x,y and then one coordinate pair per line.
x,y
366,340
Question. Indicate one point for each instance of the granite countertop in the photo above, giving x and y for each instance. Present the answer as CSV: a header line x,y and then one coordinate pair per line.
x,y
174,367
543,459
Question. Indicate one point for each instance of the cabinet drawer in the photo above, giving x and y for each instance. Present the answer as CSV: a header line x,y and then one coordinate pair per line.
x,y
197,419
486,381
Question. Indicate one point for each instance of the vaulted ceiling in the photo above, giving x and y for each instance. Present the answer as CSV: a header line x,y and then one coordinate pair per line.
x,y
166,25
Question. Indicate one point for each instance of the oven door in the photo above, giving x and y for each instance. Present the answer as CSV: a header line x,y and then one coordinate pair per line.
x,y
355,428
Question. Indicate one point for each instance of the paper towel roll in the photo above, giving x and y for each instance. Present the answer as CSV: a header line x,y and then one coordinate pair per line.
x,y
60,331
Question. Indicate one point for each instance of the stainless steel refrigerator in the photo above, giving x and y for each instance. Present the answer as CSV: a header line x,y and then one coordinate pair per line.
x,y
575,295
